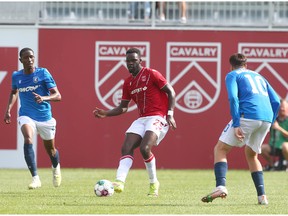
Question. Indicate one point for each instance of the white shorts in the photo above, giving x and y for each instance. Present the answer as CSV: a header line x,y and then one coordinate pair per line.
x,y
46,130
254,131
157,124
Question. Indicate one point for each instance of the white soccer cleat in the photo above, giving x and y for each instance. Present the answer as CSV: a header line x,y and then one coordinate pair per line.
x,y
220,191
36,183
262,200
57,178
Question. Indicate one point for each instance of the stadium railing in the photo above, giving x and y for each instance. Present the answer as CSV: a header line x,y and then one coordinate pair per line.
x,y
253,14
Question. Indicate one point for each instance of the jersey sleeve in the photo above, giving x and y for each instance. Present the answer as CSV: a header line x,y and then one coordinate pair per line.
x,y
14,81
232,90
49,81
159,79
274,100
125,91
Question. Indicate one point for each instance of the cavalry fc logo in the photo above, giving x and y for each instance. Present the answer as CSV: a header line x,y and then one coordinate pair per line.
x,y
111,70
194,70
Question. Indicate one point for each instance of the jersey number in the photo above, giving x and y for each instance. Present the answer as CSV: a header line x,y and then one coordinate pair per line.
x,y
257,84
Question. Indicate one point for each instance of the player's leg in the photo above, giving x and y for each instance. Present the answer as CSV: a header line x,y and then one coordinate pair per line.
x,y
221,150
252,149
52,152
28,129
224,145
29,154
155,130
47,131
255,168
149,140
55,160
131,142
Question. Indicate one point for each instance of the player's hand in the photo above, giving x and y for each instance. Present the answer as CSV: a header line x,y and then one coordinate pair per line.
x,y
171,122
37,98
239,134
99,113
7,118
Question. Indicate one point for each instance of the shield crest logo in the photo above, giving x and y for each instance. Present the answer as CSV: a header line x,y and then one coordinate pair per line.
x,y
271,61
194,70
111,70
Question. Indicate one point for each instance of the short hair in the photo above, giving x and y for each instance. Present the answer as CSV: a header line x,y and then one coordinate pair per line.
x,y
237,60
24,50
133,50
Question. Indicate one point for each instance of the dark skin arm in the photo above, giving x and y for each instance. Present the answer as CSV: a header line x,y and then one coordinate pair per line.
x,y
12,99
168,89
54,96
122,108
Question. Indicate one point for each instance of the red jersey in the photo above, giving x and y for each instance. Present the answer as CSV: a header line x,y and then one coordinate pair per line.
x,y
145,91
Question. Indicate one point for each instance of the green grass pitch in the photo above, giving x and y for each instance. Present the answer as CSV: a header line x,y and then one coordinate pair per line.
x,y
180,193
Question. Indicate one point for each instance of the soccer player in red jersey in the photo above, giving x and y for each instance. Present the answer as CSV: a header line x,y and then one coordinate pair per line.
x,y
155,99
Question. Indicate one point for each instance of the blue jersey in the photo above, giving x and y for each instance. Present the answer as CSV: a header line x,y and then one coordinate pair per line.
x,y
40,81
251,96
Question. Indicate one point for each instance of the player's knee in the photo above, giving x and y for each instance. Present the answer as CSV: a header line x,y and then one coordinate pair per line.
x,y
145,151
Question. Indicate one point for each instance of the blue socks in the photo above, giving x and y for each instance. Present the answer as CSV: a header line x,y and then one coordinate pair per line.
x,y
220,170
258,182
30,158
55,159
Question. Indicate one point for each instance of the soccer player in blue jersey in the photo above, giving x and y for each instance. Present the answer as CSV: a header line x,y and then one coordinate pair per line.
x,y
36,88
254,107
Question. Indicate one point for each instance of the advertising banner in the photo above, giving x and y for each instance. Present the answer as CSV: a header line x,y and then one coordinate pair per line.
x,y
89,68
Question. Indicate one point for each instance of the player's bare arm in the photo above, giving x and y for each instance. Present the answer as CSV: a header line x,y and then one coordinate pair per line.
x,y
54,96
171,100
12,99
122,108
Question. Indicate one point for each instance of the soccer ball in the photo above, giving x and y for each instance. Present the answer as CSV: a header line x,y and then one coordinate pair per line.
x,y
104,188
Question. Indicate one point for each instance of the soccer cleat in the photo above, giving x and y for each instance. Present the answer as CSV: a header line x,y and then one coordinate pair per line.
x,y
57,178
262,200
36,183
219,191
118,186
154,189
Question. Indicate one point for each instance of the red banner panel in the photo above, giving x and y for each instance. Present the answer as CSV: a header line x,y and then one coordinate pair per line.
x,y
8,64
89,69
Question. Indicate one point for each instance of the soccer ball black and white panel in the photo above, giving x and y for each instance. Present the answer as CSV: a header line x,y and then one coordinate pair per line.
x,y
104,188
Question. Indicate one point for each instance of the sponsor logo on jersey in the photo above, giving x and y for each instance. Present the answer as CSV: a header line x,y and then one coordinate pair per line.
x,y
28,88
138,90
